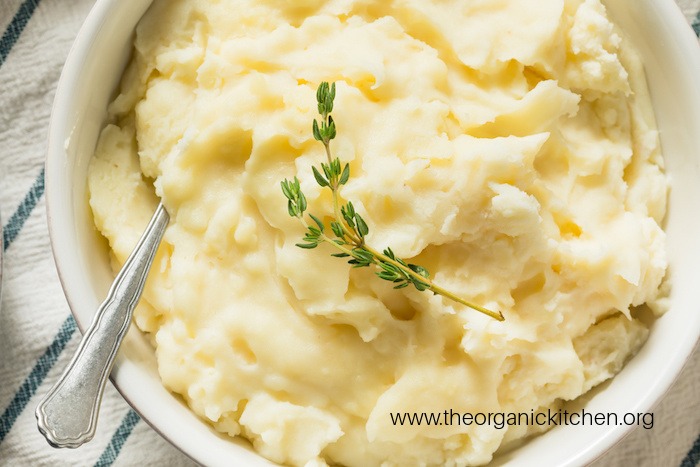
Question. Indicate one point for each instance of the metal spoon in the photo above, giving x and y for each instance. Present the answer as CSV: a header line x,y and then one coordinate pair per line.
x,y
67,416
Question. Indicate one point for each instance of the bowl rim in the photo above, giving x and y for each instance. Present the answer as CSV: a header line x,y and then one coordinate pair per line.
x,y
60,236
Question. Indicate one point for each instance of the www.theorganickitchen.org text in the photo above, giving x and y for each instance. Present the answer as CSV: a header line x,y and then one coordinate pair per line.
x,y
501,420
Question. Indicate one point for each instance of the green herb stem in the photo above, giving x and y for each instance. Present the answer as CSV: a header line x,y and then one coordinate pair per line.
x,y
434,287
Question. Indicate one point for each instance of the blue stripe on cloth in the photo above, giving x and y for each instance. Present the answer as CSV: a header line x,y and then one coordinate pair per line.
x,y
692,459
16,222
111,452
36,377
16,26
696,24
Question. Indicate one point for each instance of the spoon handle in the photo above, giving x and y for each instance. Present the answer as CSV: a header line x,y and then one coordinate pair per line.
x,y
67,416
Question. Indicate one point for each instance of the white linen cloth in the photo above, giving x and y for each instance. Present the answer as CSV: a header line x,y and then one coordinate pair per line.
x,y
37,336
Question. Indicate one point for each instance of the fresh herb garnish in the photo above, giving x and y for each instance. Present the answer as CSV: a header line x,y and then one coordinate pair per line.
x,y
348,227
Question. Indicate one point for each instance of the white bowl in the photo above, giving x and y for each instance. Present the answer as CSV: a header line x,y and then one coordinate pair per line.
x,y
671,56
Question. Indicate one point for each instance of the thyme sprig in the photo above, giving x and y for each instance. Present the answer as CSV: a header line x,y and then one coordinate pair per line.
x,y
348,227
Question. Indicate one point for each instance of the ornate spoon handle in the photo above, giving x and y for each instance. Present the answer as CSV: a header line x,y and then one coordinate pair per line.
x,y
67,416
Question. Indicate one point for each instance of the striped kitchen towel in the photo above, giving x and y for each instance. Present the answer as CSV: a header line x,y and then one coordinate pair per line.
x,y
37,334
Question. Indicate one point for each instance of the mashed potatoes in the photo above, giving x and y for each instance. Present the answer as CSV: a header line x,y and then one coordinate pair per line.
x,y
508,146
